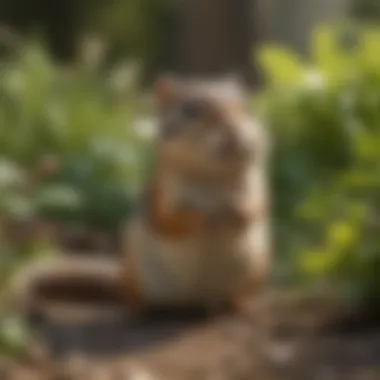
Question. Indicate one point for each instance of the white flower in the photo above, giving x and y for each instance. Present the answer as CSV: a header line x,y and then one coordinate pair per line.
x,y
145,128
10,174
315,80
124,77
93,51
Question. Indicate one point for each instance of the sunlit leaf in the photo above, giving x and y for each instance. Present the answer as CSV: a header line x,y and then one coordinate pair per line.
x,y
281,66
342,235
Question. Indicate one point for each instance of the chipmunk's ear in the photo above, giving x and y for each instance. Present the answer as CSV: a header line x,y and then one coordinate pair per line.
x,y
165,90
234,80
233,86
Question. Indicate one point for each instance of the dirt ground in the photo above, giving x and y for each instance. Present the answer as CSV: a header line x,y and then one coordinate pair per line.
x,y
284,341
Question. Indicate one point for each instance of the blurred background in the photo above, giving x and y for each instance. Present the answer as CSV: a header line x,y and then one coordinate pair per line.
x,y
76,124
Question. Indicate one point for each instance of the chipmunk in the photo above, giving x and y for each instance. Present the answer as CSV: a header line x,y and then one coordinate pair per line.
x,y
201,236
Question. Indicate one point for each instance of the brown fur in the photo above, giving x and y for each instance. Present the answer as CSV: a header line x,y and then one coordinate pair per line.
x,y
174,222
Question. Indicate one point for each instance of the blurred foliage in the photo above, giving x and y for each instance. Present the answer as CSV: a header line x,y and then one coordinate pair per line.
x,y
325,117
73,152
130,29
78,125
13,336
368,10
15,252
138,29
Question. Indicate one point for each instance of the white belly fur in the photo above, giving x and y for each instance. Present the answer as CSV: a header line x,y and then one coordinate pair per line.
x,y
202,269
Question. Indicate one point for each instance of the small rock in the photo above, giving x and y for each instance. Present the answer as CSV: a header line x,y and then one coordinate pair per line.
x,y
281,353
74,367
138,373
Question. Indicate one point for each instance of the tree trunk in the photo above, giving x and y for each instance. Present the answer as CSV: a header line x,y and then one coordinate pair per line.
x,y
216,37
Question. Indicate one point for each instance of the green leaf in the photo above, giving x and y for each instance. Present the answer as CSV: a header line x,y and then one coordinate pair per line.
x,y
314,262
342,235
330,57
281,66
13,336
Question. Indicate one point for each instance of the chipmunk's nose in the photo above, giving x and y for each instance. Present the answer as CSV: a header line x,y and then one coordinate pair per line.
x,y
235,144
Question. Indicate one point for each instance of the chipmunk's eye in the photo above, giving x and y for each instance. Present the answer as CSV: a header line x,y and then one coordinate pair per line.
x,y
191,110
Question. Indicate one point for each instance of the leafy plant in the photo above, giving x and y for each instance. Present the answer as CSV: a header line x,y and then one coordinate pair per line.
x,y
73,151
325,117
82,121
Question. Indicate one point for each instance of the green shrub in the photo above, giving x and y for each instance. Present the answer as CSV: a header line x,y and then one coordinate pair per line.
x,y
74,150
325,117
84,121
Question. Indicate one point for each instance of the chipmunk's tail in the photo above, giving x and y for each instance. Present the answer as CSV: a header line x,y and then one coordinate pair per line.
x,y
67,280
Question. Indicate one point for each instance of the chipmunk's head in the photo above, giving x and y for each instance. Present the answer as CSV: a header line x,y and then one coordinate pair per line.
x,y
205,125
